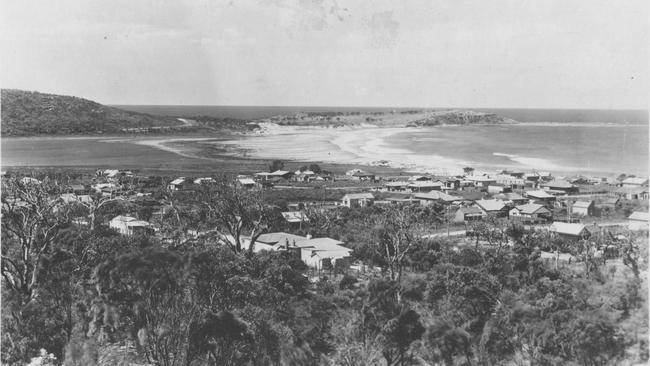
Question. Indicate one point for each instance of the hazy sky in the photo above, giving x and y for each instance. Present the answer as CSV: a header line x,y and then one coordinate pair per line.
x,y
563,54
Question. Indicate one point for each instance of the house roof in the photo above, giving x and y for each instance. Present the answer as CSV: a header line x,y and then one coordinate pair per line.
x,y
639,216
558,183
357,196
635,181
124,218
280,173
531,208
437,196
246,181
538,194
470,210
567,228
425,183
583,204
491,205
295,216
280,237
177,181
631,190
77,187
396,184
322,245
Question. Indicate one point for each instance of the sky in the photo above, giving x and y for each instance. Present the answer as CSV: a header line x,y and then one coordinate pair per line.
x,y
420,53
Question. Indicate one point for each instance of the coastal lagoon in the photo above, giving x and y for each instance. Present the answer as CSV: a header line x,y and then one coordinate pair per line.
x,y
567,148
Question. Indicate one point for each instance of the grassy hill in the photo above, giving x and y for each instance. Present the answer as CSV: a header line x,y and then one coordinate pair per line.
x,y
26,113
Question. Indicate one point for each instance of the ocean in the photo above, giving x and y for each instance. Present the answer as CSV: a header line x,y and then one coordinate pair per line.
x,y
633,116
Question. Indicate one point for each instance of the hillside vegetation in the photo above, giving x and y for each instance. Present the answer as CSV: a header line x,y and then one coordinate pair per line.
x,y
27,113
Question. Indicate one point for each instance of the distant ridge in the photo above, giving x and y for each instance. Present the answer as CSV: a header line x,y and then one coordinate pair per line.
x,y
26,113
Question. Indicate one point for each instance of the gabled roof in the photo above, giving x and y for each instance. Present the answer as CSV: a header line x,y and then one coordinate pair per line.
x,y
77,187
295,216
425,183
538,194
491,205
635,181
177,181
357,196
531,208
567,228
124,218
558,183
639,216
436,196
470,210
583,204
246,181
280,237
322,244
280,173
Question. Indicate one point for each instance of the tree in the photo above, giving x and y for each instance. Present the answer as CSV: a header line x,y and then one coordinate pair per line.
x,y
468,170
276,165
448,341
229,213
397,231
31,224
315,168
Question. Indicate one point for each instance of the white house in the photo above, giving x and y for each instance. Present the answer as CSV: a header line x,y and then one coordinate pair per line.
x,y
584,208
531,211
128,225
634,182
357,199
314,251
572,231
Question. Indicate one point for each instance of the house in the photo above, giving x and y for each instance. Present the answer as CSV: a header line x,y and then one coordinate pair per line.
x,y
303,176
128,225
560,186
247,183
363,176
512,199
638,220
353,172
78,189
352,200
466,214
630,193
314,251
531,212
424,186
492,207
396,186
177,184
510,180
281,174
571,231
449,183
204,180
435,196
540,196
480,180
611,202
276,241
29,180
295,217
634,182
498,188
584,208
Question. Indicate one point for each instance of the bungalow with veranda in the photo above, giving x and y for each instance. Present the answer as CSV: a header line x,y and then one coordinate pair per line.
x,y
353,200
570,231
468,214
531,212
540,196
425,186
494,208
634,182
436,197
584,208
